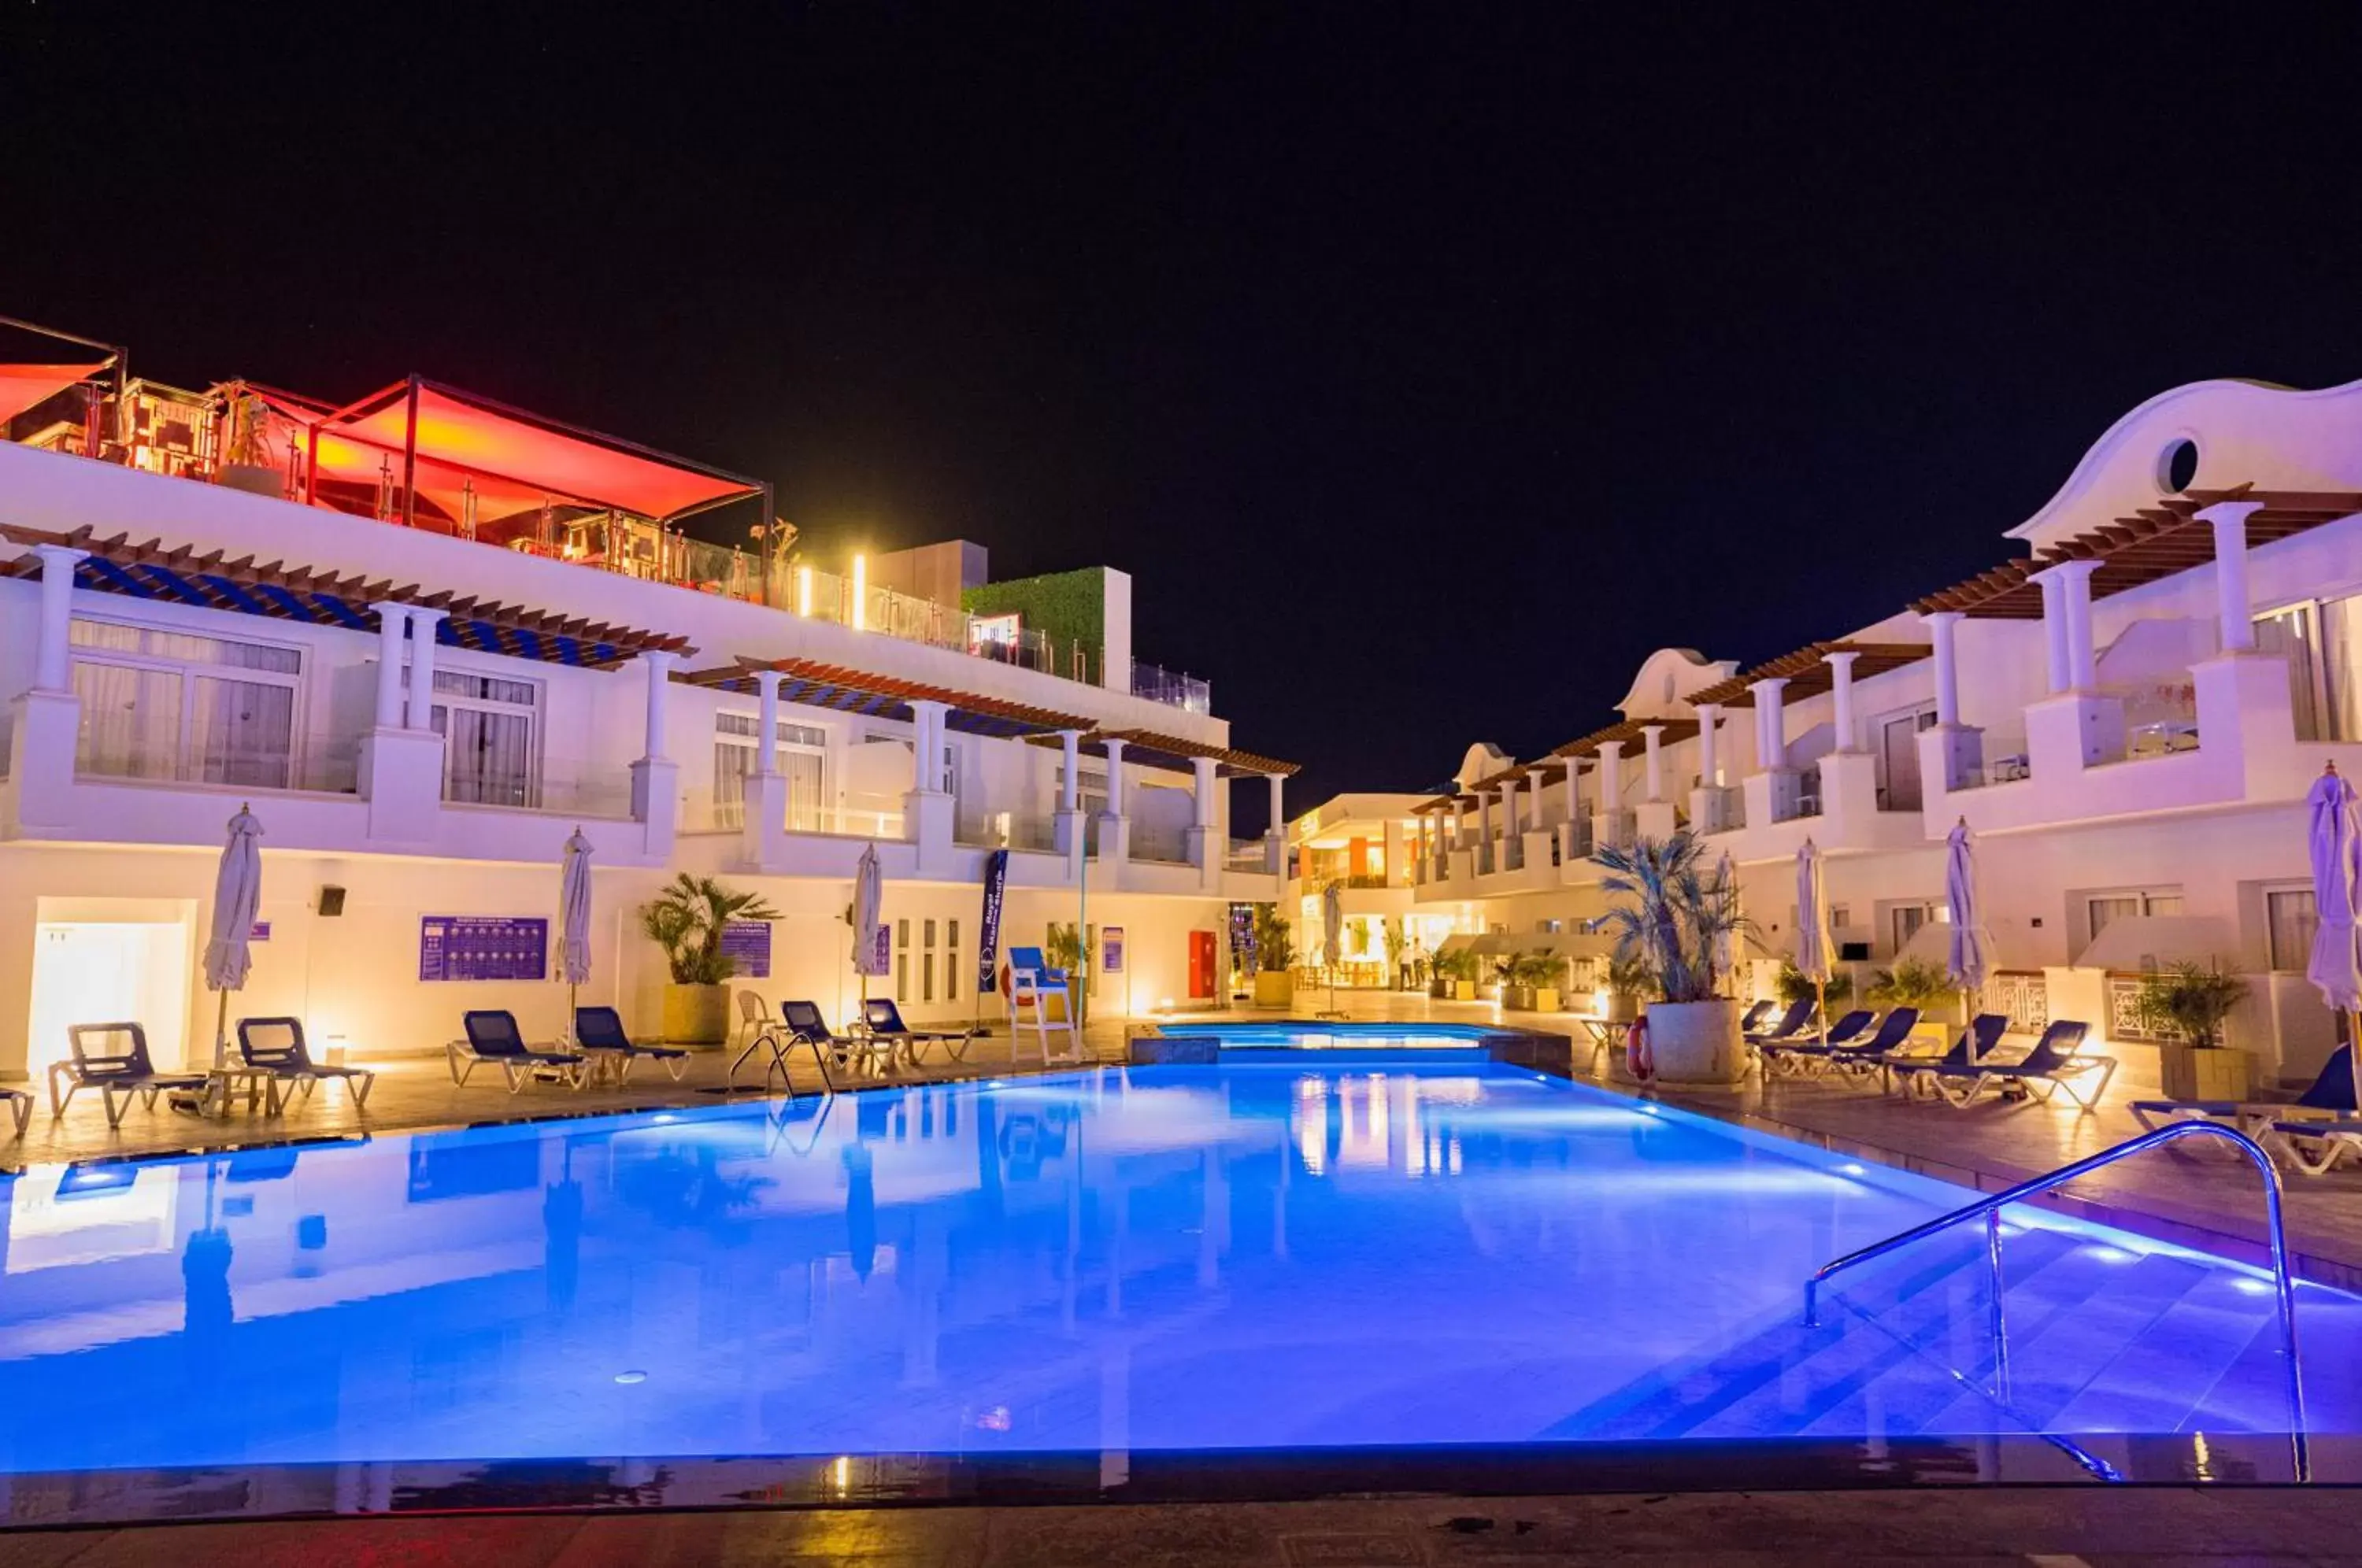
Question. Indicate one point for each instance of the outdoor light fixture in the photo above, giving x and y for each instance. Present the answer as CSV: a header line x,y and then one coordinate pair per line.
x,y
803,591
860,593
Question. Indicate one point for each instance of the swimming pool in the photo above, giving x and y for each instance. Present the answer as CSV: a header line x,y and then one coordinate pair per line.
x,y
1338,1253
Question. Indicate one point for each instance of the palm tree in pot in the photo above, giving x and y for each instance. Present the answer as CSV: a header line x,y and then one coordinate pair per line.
x,y
687,920
2189,1003
1674,915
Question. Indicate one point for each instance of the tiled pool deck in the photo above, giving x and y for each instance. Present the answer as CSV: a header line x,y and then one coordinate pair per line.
x,y
2206,1199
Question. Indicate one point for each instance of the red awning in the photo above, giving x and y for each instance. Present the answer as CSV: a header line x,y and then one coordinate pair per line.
x,y
22,386
511,460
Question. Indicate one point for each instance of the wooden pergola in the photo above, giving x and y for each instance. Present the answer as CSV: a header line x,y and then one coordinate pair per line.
x,y
1627,730
2154,542
1158,749
817,685
1808,672
216,580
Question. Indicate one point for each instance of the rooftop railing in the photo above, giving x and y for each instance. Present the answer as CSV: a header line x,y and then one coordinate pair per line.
x,y
1172,688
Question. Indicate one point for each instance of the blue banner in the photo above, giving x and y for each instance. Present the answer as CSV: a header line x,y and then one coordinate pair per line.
x,y
987,947
482,947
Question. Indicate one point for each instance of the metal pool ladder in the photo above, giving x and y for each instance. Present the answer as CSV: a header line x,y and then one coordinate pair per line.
x,y
1991,1208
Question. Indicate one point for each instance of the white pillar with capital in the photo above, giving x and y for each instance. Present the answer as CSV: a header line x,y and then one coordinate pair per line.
x,y
1656,816
1066,822
1610,822
1708,809
45,722
422,622
655,777
1951,755
1841,697
1775,790
1848,774
2082,666
2054,629
2229,521
1204,838
763,829
1115,823
392,648
1512,853
401,773
929,809
2078,725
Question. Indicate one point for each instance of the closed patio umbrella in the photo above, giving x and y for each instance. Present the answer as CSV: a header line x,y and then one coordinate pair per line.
x,y
1970,950
237,895
1333,936
574,920
1725,944
868,908
1813,944
2334,965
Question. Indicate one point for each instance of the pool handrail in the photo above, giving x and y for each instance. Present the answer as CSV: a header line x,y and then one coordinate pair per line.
x,y
1990,1207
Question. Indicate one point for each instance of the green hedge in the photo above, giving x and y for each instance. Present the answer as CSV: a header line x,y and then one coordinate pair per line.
x,y
1070,607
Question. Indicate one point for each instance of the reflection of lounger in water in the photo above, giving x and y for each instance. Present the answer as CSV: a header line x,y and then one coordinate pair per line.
x,y
1029,1140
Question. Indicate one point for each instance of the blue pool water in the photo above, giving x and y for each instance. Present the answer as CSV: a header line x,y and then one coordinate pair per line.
x,y
1337,1251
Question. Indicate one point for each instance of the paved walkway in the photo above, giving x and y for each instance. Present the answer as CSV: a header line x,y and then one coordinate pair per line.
x,y
2206,1199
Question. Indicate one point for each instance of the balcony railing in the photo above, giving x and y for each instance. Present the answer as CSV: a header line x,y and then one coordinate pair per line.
x,y
1160,844
1172,688
1008,830
329,766
1248,854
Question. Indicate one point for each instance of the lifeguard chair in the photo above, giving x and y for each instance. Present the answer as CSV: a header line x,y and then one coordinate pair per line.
x,y
1040,1001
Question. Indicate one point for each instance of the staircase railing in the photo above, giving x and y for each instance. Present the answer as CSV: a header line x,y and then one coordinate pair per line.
x,y
1990,1209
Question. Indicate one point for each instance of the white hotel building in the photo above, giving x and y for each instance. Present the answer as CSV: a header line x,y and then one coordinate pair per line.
x,y
425,638
2127,711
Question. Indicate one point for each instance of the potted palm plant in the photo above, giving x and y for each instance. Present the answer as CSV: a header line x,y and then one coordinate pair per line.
x,y
1912,983
1537,977
687,919
2188,1004
1794,986
1275,958
1673,915
1063,948
1629,983
1456,971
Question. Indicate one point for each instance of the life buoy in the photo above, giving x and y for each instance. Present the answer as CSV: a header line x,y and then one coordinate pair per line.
x,y
1639,1060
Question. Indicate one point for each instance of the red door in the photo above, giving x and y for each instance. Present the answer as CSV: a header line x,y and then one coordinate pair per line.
x,y
1201,963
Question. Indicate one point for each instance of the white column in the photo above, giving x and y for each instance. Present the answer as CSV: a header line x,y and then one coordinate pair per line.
x,y
393,624
927,745
1611,775
2230,520
766,696
658,668
1770,724
422,666
1535,787
1483,819
1509,809
1841,692
1459,822
1205,775
1941,627
1117,806
1709,715
2054,629
1653,766
52,654
1278,816
1574,789
2082,673
1070,786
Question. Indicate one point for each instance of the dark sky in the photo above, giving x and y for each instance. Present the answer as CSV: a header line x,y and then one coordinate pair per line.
x,y
1427,365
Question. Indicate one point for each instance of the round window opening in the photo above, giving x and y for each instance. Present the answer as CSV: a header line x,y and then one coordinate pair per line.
x,y
2177,466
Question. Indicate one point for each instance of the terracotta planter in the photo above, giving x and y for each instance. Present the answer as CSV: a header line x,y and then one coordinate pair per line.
x,y
1275,987
696,1015
2204,1072
1697,1043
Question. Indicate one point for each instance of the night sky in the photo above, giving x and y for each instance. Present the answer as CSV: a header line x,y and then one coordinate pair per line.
x,y
1427,365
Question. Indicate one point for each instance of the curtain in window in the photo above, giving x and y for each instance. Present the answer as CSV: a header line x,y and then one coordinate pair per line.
x,y
241,732
130,720
2292,919
487,756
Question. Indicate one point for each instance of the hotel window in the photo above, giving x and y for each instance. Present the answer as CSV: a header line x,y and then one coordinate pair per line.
x,y
2110,907
1904,921
951,961
488,725
2289,921
169,705
801,753
2295,634
901,960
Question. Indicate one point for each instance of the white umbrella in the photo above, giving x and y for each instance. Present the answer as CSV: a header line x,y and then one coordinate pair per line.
x,y
574,920
1969,949
2334,965
237,895
1332,932
1813,944
868,908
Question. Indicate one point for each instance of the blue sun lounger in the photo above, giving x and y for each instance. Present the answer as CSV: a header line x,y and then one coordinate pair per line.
x,y
1794,1056
2052,1066
1791,1024
1754,1017
2332,1090
20,1108
599,1029
1975,1044
112,1059
274,1048
493,1037
885,1022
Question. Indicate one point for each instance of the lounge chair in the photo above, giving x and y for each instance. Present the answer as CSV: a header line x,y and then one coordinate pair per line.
x,y
754,1017
2332,1091
1789,1056
885,1021
493,1036
1754,1017
1792,1023
20,1108
799,1023
599,1029
274,1048
112,1059
2052,1064
1864,1058
1968,1052
2317,1146
803,1022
